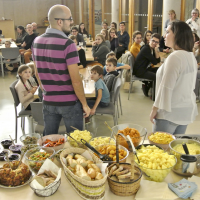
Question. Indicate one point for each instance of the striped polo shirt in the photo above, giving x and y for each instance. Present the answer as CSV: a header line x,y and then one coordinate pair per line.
x,y
53,52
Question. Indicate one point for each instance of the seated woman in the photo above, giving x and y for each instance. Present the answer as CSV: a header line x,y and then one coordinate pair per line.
x,y
81,29
112,37
148,55
147,37
21,33
135,48
104,32
100,49
81,53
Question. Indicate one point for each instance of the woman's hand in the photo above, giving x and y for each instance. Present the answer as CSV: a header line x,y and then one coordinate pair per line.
x,y
115,36
196,45
94,43
153,114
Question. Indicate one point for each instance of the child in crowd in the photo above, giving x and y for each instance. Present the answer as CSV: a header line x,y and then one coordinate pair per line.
x,y
24,88
119,65
7,44
102,93
111,64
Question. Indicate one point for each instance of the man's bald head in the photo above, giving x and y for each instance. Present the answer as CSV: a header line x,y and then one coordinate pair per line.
x,y
58,11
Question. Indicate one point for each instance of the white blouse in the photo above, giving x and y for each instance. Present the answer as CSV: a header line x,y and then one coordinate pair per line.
x,y
175,83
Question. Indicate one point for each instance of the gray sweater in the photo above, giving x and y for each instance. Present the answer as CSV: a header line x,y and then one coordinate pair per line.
x,y
100,51
109,78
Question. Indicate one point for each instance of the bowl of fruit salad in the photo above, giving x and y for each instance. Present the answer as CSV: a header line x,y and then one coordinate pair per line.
x,y
35,157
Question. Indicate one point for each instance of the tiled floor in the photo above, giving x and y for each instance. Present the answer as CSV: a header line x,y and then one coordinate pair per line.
x,y
136,110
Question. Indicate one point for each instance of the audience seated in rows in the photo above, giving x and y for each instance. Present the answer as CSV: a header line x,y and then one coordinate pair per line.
x,y
28,40
79,37
82,29
104,32
111,65
148,55
112,37
123,38
81,53
135,48
100,49
119,66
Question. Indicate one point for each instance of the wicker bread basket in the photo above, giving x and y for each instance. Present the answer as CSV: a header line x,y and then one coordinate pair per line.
x,y
86,189
125,188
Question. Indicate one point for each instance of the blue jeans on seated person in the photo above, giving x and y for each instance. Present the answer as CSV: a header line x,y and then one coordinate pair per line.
x,y
168,127
101,104
72,116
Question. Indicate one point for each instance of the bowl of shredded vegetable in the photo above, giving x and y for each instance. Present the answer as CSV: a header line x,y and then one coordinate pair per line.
x,y
161,139
53,141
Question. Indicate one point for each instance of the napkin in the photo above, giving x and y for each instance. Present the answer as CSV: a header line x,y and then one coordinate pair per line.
x,y
150,190
196,194
47,165
183,188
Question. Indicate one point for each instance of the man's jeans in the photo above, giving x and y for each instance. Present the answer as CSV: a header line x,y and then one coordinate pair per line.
x,y
169,127
72,116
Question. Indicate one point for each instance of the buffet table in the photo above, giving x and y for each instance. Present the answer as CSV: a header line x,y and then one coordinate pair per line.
x,y
66,190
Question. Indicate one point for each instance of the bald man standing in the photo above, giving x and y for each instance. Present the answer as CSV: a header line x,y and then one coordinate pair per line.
x,y
56,59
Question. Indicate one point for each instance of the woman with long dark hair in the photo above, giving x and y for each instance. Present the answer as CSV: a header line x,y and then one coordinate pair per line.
x,y
21,33
175,103
82,30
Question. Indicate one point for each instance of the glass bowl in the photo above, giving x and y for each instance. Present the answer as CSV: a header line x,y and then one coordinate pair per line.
x,y
78,136
16,148
163,146
3,153
30,138
135,139
114,161
6,143
157,175
53,137
97,141
25,148
35,157
12,157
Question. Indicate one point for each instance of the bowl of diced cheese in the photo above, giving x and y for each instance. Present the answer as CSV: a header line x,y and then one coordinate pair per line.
x,y
97,141
161,139
78,135
154,162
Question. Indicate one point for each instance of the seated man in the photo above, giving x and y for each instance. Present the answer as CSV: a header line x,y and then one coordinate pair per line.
x,y
79,37
34,25
28,40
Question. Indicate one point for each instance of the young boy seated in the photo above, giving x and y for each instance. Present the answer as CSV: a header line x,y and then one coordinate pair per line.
x,y
111,65
102,93
119,65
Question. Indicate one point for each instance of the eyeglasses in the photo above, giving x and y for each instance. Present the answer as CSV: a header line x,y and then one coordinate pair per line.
x,y
70,19
112,32
156,42
195,13
74,31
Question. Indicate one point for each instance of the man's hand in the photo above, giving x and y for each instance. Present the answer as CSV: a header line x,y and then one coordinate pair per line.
x,y
153,114
92,112
86,110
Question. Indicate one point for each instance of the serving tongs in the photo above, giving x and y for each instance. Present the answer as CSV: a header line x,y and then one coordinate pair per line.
x,y
130,144
101,156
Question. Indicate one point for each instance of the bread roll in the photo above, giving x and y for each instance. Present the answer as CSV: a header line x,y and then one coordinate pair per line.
x,y
98,176
95,168
80,171
92,173
72,163
77,156
82,162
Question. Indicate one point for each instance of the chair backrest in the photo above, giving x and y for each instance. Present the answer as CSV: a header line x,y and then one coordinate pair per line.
x,y
116,91
36,110
37,114
125,57
131,61
10,53
113,85
14,93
